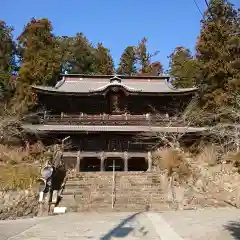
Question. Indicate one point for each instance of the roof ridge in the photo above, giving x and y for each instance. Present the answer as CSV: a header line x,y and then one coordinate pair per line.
x,y
114,75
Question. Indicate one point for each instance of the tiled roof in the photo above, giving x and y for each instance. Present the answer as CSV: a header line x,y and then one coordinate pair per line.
x,y
116,84
89,84
100,128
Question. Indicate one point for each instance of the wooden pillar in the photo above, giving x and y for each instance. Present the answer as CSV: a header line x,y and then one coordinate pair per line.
x,y
45,115
125,103
125,161
149,158
77,167
27,146
102,158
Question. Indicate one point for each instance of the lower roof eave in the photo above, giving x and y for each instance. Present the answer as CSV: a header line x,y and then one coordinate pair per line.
x,y
100,128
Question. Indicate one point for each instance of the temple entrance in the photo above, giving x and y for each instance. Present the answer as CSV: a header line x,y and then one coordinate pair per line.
x,y
119,164
90,164
137,164
115,145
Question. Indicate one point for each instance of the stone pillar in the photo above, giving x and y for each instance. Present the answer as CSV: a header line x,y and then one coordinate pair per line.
x,y
102,158
125,157
77,168
149,159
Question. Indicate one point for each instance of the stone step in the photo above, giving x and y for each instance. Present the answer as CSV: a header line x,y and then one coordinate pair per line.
x,y
118,180
86,194
88,186
76,181
121,181
118,189
110,173
117,184
133,192
88,182
77,192
110,182
121,206
107,203
117,208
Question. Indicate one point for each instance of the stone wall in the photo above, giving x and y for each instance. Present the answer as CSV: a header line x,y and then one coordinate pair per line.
x,y
18,204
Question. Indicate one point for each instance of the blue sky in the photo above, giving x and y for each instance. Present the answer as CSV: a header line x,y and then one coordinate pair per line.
x,y
116,24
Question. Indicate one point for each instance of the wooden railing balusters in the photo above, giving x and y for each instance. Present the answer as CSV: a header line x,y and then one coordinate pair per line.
x,y
125,119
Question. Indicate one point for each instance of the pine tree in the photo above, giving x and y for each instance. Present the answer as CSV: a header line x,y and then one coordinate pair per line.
x,y
40,53
143,56
184,69
77,54
7,59
127,62
144,60
104,62
218,49
156,68
65,47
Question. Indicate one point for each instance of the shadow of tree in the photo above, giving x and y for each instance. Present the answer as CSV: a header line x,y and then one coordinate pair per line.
x,y
234,229
121,231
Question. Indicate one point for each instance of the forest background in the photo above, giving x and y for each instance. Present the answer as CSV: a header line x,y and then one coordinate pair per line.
x,y
38,56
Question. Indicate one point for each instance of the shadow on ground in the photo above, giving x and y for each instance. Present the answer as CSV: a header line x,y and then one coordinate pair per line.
x,y
234,229
121,230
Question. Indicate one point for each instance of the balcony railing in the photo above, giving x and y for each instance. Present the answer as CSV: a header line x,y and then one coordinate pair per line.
x,y
105,119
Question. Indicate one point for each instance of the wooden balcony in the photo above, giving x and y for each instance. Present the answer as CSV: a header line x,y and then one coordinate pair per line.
x,y
111,120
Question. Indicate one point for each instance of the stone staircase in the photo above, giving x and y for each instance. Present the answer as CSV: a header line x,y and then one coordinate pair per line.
x,y
133,191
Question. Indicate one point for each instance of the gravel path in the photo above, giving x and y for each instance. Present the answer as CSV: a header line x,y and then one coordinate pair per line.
x,y
221,224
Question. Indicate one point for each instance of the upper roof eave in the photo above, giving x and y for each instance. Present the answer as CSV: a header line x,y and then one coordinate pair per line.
x,y
44,88
53,90
82,84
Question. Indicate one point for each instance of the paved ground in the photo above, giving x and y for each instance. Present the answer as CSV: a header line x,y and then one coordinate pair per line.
x,y
221,224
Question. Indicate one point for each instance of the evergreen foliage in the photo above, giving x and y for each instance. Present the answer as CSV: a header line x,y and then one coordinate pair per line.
x,y
218,51
40,53
215,68
7,60
103,60
77,54
128,60
184,68
144,59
